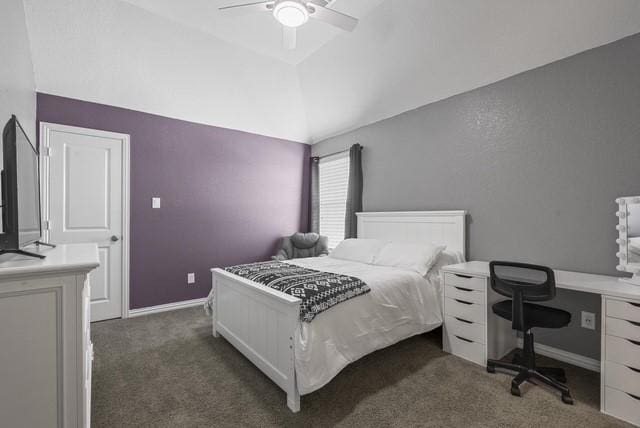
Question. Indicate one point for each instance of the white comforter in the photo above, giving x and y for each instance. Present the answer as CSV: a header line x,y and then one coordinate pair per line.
x,y
401,304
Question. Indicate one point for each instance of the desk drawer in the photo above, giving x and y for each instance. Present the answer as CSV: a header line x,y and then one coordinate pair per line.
x,y
468,311
622,351
467,349
468,330
629,311
465,281
622,405
621,377
623,328
465,294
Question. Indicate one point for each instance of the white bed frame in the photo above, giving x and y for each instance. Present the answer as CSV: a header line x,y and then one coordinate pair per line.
x,y
261,322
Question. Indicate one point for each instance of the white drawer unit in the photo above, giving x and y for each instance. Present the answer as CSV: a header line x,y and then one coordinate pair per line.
x,y
620,391
466,301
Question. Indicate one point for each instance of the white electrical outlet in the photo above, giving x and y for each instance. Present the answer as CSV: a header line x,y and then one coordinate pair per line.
x,y
155,202
588,320
191,278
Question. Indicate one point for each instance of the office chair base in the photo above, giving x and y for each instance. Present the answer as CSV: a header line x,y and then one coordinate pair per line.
x,y
550,376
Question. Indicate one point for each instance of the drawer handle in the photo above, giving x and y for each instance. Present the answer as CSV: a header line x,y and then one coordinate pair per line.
x,y
637,324
468,289
635,397
637,305
469,303
470,322
634,369
635,342
459,275
471,341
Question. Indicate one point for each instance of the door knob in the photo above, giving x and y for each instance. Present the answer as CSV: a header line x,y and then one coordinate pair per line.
x,y
114,238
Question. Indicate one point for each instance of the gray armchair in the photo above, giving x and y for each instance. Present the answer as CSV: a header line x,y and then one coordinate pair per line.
x,y
300,245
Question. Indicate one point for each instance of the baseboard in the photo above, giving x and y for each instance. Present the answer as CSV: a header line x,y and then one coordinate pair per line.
x,y
565,356
166,307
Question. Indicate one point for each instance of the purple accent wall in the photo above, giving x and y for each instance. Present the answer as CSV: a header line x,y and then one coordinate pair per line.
x,y
227,196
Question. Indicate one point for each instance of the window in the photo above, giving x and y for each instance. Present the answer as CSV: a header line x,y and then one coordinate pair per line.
x,y
333,181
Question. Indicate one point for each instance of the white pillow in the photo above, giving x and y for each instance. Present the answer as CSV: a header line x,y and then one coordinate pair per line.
x,y
358,250
416,257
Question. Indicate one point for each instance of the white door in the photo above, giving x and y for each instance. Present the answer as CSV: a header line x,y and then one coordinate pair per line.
x,y
83,187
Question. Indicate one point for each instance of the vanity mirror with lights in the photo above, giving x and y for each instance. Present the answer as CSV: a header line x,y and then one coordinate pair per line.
x,y
629,237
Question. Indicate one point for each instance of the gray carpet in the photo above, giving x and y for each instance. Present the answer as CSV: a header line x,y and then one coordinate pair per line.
x,y
166,370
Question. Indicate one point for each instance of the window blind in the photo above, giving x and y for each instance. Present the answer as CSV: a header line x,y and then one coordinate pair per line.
x,y
333,181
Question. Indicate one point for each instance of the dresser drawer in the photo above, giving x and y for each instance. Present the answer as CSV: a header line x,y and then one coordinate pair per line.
x,y
624,310
465,281
622,405
623,328
467,349
468,330
468,311
622,377
465,294
622,351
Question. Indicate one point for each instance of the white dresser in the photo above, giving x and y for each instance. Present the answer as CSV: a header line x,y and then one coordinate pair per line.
x,y
45,346
473,332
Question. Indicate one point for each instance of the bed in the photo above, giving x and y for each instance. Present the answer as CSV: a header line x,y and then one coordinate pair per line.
x,y
301,357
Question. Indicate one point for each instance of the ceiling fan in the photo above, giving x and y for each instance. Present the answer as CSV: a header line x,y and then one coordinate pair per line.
x,y
294,13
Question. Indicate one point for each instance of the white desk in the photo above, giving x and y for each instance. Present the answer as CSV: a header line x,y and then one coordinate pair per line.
x,y
471,331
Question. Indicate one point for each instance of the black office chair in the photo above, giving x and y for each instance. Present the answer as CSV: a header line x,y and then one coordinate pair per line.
x,y
528,283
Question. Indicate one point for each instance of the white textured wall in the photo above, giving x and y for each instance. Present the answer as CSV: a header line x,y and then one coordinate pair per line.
x,y
17,87
114,53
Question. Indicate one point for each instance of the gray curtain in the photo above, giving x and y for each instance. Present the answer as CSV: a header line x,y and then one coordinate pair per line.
x,y
314,197
354,192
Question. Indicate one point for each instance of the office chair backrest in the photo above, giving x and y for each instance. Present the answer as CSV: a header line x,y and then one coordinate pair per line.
x,y
522,282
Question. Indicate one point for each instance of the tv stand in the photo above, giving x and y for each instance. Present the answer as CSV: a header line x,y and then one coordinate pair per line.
x,y
22,253
46,244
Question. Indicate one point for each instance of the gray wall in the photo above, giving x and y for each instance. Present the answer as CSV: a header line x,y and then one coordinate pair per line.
x,y
537,159
17,85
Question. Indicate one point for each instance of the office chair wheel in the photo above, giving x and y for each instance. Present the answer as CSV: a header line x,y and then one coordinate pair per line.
x,y
566,398
491,369
516,391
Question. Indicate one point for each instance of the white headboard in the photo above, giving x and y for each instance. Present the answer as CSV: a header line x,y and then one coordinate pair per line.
x,y
446,227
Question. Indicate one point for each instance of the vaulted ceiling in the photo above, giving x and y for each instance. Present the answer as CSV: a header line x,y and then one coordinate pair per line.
x,y
184,59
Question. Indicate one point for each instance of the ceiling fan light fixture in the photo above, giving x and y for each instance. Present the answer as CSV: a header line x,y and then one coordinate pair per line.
x,y
290,13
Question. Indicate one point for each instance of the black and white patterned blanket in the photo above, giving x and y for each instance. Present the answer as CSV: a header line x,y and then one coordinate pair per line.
x,y
318,290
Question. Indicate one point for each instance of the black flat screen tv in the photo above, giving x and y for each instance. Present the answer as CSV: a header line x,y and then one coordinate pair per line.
x,y
21,221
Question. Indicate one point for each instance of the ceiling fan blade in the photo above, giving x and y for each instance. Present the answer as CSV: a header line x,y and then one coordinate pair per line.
x,y
242,9
289,37
333,17
323,3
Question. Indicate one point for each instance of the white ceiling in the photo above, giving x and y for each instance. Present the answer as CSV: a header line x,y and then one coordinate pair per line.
x,y
183,59
257,31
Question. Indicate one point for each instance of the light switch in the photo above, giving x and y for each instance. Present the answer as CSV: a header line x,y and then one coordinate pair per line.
x,y
155,202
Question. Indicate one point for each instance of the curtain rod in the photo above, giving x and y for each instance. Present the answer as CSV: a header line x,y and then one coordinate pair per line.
x,y
334,153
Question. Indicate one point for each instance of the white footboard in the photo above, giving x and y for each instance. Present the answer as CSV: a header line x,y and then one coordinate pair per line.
x,y
261,323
